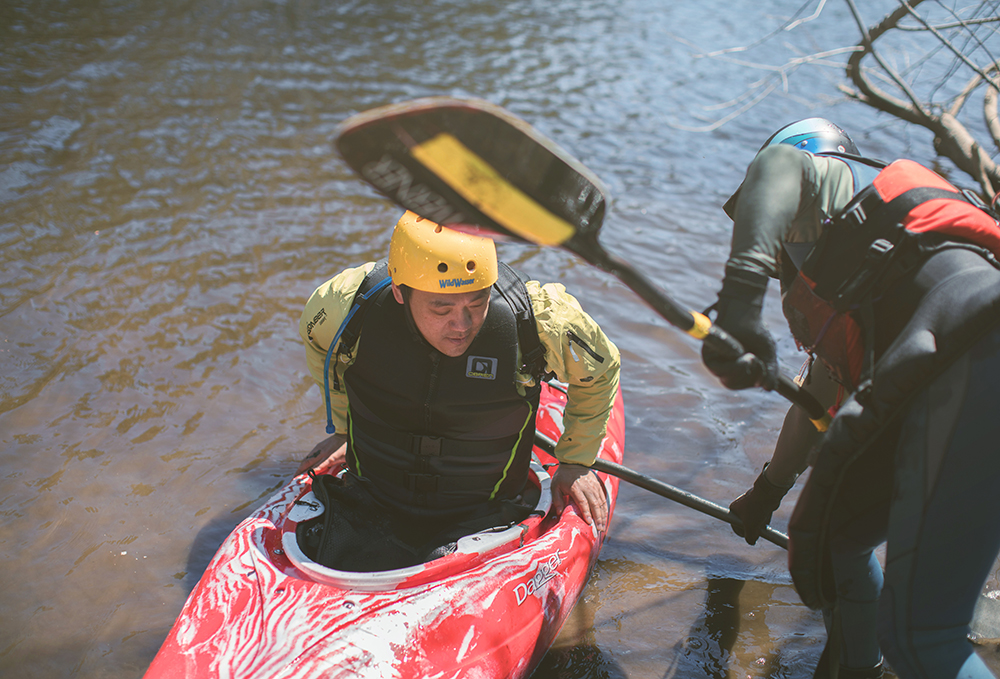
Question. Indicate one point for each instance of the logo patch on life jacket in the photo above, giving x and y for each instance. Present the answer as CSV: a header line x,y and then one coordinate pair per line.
x,y
481,368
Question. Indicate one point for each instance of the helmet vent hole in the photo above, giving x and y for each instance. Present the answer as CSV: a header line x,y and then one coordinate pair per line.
x,y
470,266
439,228
443,267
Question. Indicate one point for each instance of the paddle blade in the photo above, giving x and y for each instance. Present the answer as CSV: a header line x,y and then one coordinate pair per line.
x,y
471,165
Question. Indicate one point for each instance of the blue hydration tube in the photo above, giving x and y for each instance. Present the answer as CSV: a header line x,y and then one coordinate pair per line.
x,y
358,303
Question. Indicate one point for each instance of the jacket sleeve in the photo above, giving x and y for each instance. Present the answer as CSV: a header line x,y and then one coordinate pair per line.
x,y
321,319
582,356
786,196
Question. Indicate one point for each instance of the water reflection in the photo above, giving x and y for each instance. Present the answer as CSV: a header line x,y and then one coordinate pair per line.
x,y
169,199
708,646
575,653
585,661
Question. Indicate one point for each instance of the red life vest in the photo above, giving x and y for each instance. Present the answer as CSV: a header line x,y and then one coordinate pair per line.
x,y
889,227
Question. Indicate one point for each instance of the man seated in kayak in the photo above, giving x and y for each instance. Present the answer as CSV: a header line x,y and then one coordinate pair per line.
x,y
889,276
433,402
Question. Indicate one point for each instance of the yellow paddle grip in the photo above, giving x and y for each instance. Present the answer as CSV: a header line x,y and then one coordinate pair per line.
x,y
823,423
702,324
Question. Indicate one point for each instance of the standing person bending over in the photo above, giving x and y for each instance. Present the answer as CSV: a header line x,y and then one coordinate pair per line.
x,y
905,325
434,386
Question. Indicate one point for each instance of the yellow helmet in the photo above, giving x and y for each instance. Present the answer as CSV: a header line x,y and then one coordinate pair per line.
x,y
432,258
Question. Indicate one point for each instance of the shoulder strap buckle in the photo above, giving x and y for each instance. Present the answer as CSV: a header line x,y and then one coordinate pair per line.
x,y
857,215
976,200
865,203
879,248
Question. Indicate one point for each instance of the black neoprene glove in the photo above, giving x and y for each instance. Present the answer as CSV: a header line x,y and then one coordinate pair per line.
x,y
754,507
738,313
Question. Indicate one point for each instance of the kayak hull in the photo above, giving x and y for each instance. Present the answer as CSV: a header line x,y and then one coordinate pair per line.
x,y
492,609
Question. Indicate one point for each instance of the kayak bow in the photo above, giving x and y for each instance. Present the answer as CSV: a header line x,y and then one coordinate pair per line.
x,y
492,608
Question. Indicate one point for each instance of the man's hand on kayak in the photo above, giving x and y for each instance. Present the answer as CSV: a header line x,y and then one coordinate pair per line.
x,y
328,452
584,489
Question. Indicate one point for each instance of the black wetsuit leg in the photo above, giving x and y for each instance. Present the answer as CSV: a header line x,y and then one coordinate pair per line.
x,y
944,531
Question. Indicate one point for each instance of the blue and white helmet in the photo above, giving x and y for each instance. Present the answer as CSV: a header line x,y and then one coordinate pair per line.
x,y
816,135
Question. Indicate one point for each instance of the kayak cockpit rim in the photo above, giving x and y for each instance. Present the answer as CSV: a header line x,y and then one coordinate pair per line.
x,y
307,506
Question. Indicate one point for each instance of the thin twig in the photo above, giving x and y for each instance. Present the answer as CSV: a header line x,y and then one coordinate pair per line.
x,y
963,96
971,33
870,48
725,119
815,15
937,34
814,59
990,111
957,24
787,26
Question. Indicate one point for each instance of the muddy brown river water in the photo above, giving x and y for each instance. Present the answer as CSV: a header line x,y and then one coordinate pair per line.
x,y
169,198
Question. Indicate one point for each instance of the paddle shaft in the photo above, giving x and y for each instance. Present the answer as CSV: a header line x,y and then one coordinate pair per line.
x,y
383,153
670,492
985,624
592,251
469,162
685,498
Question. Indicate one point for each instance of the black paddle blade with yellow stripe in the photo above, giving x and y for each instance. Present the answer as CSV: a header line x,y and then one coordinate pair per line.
x,y
469,163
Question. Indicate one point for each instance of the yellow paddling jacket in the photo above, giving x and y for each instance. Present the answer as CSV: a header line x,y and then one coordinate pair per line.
x,y
576,350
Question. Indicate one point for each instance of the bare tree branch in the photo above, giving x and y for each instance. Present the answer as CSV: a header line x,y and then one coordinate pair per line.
x,y
963,96
990,110
760,96
759,90
945,41
914,110
787,26
956,24
952,139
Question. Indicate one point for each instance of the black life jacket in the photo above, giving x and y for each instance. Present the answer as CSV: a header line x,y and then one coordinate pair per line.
x,y
894,222
958,293
434,434
901,283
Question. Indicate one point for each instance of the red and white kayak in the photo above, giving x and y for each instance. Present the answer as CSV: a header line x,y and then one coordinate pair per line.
x,y
263,610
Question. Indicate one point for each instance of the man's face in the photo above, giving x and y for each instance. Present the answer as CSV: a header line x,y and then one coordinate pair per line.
x,y
448,321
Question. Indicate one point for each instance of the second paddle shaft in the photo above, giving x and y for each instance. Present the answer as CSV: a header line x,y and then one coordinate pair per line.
x,y
685,498
670,492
